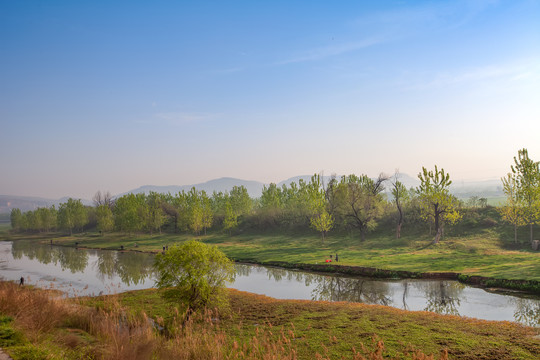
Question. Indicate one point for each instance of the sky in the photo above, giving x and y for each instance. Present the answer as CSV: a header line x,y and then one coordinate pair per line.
x,y
113,95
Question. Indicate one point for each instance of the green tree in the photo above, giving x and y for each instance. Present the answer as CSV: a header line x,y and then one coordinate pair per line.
x,y
154,214
230,221
46,218
323,222
72,214
527,174
361,201
315,198
437,204
105,218
194,273
400,196
240,201
16,219
127,214
207,216
511,211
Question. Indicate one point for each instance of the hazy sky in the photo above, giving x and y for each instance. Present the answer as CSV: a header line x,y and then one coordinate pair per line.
x,y
112,95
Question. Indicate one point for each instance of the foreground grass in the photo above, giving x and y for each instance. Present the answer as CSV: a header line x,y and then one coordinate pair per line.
x,y
35,324
483,252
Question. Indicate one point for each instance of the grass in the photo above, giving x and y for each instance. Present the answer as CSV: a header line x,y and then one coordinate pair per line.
x,y
41,325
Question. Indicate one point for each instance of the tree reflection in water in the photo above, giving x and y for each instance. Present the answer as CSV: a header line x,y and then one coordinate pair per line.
x,y
330,288
442,297
527,311
131,268
69,258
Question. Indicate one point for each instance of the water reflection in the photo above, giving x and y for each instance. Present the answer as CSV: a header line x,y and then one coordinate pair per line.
x,y
527,311
121,271
353,290
68,258
443,297
131,268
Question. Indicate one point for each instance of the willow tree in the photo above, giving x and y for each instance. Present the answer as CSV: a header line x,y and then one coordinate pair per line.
x,y
437,204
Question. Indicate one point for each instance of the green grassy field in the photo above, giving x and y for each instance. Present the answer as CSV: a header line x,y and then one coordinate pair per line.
x,y
483,251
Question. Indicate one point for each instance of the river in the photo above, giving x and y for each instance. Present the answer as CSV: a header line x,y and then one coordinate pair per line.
x,y
93,272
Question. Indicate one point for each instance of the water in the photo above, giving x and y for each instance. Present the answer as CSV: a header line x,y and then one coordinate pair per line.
x,y
91,272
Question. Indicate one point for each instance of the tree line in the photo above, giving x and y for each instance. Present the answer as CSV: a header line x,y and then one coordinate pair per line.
x,y
348,203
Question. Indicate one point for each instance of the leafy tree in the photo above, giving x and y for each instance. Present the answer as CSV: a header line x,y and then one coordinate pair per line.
x,y
194,273
361,201
437,204
231,219
72,214
270,205
127,214
322,222
319,219
16,219
105,218
527,174
400,196
240,201
45,218
153,211
511,211
206,209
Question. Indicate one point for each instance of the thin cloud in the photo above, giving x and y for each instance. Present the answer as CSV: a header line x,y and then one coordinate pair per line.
x,y
329,51
510,72
177,118
184,118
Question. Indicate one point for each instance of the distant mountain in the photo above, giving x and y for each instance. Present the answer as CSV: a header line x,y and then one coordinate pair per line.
x,y
26,203
254,188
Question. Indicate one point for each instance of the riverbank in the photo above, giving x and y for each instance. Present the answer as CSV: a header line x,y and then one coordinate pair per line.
x,y
481,258
252,327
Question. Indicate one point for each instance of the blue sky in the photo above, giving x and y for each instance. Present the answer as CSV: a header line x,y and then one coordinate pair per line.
x,y
111,95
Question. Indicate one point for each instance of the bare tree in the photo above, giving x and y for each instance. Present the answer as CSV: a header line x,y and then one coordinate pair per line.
x,y
104,198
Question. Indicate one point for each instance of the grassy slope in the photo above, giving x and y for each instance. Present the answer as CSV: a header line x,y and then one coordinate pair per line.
x,y
335,328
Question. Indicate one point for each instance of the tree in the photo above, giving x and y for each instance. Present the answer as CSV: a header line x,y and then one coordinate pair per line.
x,y
72,214
127,214
105,218
527,174
361,201
511,212
16,219
231,219
154,214
315,197
194,273
437,204
104,198
401,196
322,222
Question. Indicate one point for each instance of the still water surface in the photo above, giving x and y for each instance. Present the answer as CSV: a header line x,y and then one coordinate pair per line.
x,y
91,272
